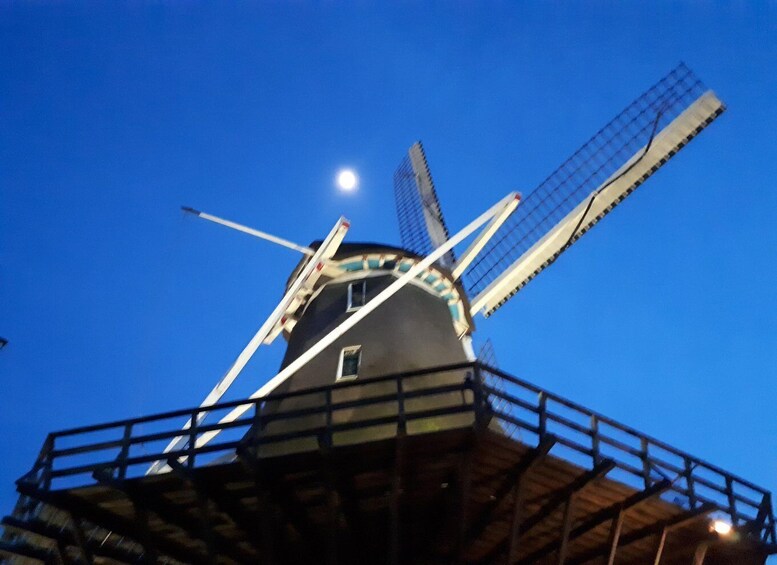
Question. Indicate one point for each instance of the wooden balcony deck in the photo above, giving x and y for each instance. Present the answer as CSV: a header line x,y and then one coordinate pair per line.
x,y
494,470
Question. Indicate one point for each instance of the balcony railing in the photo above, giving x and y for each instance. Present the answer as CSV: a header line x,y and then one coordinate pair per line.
x,y
456,395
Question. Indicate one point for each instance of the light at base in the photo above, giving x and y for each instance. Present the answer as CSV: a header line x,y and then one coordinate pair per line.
x,y
721,527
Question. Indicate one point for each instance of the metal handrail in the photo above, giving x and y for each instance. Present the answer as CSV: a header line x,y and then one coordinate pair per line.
x,y
486,384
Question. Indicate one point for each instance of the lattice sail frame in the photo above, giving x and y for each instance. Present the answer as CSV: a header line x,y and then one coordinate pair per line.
x,y
421,223
559,210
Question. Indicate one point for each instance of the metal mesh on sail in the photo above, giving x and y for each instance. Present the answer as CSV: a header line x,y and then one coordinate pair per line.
x,y
417,204
584,172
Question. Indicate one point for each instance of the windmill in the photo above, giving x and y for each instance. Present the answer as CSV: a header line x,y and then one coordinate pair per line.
x,y
382,438
514,245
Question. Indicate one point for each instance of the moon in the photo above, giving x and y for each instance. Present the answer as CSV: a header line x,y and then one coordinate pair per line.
x,y
347,180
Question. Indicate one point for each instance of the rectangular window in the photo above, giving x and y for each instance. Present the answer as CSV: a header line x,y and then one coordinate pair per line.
x,y
357,295
350,357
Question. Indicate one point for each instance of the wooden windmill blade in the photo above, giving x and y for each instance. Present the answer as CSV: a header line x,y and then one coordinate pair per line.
x,y
588,185
421,223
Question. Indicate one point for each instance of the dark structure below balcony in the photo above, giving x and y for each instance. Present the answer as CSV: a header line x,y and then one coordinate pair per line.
x,y
524,482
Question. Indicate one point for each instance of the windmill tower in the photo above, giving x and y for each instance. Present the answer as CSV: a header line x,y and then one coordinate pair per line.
x,y
381,439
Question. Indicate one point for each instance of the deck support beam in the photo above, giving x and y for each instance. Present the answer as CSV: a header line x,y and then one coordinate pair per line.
x,y
150,554
615,535
64,558
395,494
217,496
660,528
332,508
96,515
266,496
561,495
64,538
298,516
148,501
206,525
660,546
601,517
78,533
18,550
464,487
508,485
556,499
515,523
519,493
569,509
700,553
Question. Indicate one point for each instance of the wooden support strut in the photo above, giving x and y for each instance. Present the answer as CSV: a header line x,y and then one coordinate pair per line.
x,y
464,488
531,459
515,523
569,508
126,527
24,550
556,499
614,537
328,472
560,496
65,537
64,556
206,524
600,517
394,501
50,534
218,496
147,501
150,554
349,507
278,495
78,533
659,528
700,553
660,546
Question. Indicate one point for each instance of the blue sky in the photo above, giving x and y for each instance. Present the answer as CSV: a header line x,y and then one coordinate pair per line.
x,y
111,117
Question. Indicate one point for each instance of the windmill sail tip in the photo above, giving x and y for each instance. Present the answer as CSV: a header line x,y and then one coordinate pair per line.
x,y
422,225
591,183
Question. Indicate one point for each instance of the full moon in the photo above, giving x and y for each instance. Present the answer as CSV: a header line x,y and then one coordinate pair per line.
x,y
347,180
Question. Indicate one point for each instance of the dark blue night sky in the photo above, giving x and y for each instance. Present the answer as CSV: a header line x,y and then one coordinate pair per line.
x,y
116,305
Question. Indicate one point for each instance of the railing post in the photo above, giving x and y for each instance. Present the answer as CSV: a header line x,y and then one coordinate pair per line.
x,y
477,393
766,517
328,439
595,442
258,423
192,439
543,409
732,501
689,483
645,462
47,460
401,416
125,448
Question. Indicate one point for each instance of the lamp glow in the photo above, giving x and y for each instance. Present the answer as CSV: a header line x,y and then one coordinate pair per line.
x,y
721,527
347,180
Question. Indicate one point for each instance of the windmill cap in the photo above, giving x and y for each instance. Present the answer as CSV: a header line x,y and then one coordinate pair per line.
x,y
353,249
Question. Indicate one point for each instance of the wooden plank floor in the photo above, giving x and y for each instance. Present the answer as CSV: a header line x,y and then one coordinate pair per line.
x,y
443,497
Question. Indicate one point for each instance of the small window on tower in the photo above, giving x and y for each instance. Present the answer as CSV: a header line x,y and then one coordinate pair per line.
x,y
350,357
357,295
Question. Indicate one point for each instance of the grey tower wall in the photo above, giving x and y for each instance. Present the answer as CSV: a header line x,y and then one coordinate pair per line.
x,y
412,330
